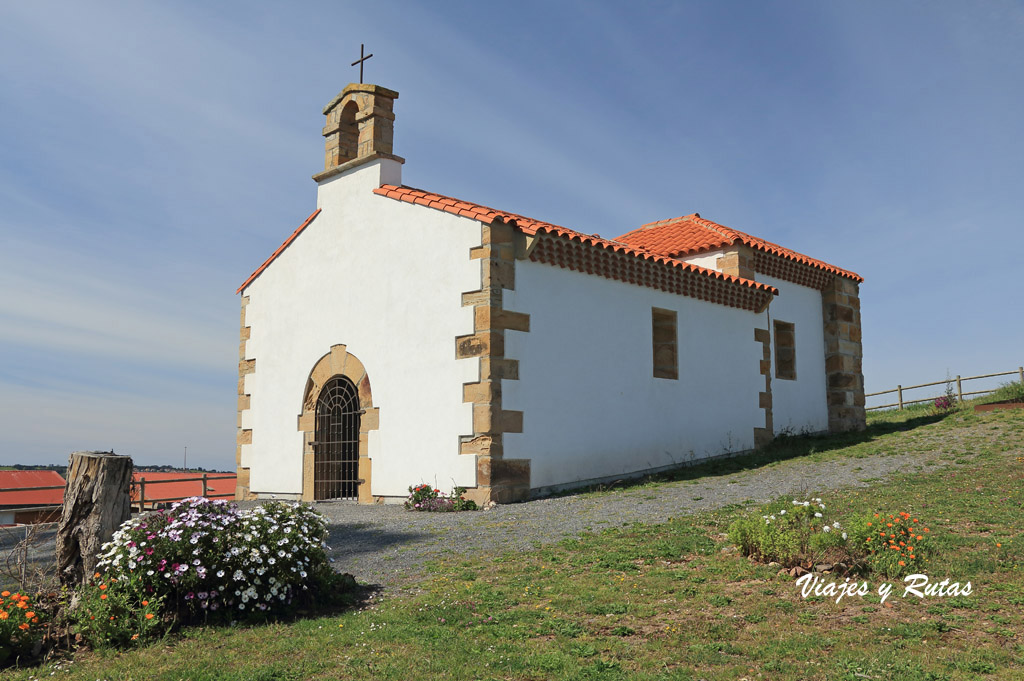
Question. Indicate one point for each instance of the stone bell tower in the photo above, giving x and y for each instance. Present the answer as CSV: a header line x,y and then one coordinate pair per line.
x,y
360,127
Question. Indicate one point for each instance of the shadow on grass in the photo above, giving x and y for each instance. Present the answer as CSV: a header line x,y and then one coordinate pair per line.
x,y
782,448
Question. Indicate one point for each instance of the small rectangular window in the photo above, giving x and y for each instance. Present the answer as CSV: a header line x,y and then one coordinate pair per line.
x,y
785,350
666,356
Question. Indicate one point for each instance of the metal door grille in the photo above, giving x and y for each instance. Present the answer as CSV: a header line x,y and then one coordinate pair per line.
x,y
336,447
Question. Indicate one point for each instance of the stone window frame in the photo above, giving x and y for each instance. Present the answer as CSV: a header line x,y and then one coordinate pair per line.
x,y
785,349
665,322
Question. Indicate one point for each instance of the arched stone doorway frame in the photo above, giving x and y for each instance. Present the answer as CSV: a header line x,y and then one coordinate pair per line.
x,y
337,362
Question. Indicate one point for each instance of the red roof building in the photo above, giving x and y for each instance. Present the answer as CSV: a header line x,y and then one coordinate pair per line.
x,y
16,489
512,356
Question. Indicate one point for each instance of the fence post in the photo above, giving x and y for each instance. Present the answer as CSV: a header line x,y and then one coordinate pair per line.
x,y
205,488
959,390
142,495
899,395
1020,370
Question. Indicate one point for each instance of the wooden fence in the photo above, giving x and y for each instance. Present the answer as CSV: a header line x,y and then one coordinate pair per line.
x,y
900,403
141,485
206,478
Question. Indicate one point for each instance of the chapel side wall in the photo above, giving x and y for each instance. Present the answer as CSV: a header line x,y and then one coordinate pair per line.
x,y
800,405
591,406
384,279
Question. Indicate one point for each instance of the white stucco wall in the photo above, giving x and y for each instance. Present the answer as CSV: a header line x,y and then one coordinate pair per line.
x,y
799,406
384,278
591,407
707,260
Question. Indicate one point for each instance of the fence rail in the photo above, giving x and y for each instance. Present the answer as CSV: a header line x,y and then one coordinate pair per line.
x,y
959,381
141,483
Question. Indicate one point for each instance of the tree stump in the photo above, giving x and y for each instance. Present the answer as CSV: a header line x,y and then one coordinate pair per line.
x,y
96,502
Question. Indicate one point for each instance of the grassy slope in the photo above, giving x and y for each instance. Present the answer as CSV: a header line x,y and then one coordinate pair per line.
x,y
665,602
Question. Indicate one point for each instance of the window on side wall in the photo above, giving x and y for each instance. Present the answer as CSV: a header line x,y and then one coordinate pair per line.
x,y
785,350
666,353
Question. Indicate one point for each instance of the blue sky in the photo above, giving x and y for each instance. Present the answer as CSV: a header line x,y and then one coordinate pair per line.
x,y
153,154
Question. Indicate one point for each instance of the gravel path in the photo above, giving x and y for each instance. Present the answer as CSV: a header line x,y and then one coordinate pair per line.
x,y
388,546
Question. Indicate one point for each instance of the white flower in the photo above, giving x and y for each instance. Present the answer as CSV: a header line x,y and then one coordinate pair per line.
x,y
817,515
844,535
806,503
826,529
782,512
836,524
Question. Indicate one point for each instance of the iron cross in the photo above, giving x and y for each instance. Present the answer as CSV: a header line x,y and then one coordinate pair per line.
x,y
360,61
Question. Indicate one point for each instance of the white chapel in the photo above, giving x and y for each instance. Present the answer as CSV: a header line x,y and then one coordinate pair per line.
x,y
401,336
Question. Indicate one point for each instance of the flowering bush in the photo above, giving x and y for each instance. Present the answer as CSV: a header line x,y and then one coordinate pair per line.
x,y
423,497
21,625
113,611
893,545
944,403
204,556
789,533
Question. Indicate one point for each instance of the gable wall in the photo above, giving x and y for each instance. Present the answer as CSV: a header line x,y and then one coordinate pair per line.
x,y
799,405
591,406
385,279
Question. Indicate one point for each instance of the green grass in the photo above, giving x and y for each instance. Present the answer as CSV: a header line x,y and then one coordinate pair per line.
x,y
665,602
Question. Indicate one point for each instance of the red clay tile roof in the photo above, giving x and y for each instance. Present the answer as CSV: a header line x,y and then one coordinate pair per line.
x,y
18,480
692,234
280,249
531,227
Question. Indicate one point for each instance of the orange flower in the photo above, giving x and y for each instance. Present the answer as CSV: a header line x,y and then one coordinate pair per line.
x,y
149,615
902,563
4,614
919,537
111,618
913,556
96,576
23,627
5,594
888,524
35,620
869,524
926,529
135,637
103,597
145,603
103,587
915,520
998,544
29,615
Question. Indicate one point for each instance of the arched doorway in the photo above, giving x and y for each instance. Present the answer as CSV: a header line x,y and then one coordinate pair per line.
x,y
336,443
